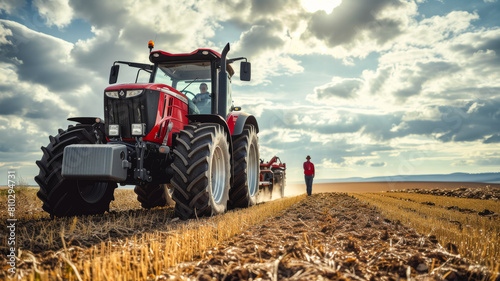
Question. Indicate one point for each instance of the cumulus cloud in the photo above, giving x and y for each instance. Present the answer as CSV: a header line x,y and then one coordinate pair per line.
x,y
423,73
55,12
361,26
30,109
37,58
349,135
262,7
492,139
260,38
378,164
348,21
10,6
118,29
441,60
39,89
432,80
248,12
342,88
438,61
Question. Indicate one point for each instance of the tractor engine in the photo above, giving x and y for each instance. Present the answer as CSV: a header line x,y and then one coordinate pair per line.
x,y
138,129
130,113
141,117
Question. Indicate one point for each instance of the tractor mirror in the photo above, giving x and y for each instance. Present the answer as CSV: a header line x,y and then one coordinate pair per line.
x,y
245,71
113,74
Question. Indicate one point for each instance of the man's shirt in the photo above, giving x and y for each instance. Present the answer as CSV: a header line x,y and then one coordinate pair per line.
x,y
308,168
202,97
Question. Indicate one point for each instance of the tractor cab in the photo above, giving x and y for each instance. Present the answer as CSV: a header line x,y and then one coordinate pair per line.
x,y
203,77
193,79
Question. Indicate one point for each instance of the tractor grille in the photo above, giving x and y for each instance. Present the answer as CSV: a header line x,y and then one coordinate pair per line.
x,y
170,103
125,111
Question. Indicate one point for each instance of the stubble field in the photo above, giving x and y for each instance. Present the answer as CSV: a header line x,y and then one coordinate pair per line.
x,y
344,231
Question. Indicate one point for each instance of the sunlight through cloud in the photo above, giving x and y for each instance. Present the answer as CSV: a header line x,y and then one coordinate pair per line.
x,y
316,5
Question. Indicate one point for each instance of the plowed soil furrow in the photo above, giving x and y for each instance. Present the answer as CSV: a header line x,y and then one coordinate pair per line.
x,y
330,236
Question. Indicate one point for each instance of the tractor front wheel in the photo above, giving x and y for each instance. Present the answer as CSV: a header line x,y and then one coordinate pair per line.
x,y
62,197
202,171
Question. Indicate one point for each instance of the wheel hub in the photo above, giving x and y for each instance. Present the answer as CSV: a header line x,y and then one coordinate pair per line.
x,y
218,175
91,191
253,164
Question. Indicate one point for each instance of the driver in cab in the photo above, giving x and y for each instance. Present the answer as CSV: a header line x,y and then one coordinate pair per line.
x,y
202,100
204,96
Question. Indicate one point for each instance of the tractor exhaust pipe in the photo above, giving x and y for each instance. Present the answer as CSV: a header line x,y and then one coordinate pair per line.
x,y
221,98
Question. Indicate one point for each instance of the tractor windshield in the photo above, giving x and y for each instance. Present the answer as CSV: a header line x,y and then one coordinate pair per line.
x,y
191,79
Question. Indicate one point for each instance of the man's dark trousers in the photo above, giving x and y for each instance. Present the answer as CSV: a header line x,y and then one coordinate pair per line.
x,y
309,183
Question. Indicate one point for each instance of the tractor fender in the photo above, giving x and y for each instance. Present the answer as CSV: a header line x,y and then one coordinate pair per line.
x,y
212,118
243,119
96,123
84,120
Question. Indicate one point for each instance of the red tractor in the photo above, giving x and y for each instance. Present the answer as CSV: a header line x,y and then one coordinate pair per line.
x,y
157,134
273,175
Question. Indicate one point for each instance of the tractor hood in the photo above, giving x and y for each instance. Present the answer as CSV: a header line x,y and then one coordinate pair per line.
x,y
154,86
128,104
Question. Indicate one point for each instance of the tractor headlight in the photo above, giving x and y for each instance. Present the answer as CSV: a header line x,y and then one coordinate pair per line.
x,y
112,94
133,93
114,130
138,129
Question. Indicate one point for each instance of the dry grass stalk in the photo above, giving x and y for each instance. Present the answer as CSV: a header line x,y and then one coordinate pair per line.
x,y
474,236
147,241
477,205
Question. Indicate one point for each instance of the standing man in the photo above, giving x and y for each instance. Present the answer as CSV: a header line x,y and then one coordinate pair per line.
x,y
309,174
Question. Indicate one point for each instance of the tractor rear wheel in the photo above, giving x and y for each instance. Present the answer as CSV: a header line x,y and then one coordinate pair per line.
x,y
153,195
202,171
246,168
62,197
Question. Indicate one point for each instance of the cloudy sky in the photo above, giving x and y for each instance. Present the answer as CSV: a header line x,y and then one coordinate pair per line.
x,y
366,87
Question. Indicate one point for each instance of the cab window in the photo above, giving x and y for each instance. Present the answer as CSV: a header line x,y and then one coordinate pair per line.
x,y
191,79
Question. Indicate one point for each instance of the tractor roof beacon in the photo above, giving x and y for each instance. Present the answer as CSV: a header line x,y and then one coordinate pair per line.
x,y
197,150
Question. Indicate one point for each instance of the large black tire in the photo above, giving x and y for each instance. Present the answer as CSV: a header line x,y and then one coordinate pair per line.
x,y
62,197
153,195
246,168
202,171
